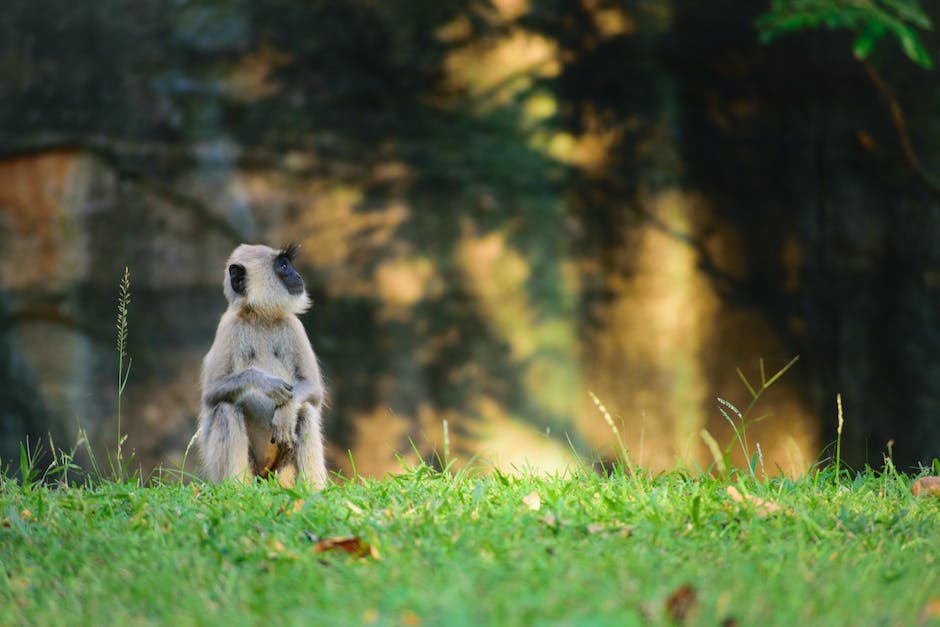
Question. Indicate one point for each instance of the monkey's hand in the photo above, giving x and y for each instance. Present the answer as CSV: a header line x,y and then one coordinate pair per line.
x,y
284,425
278,390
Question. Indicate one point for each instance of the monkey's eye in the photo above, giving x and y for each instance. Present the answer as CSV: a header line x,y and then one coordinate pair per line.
x,y
282,266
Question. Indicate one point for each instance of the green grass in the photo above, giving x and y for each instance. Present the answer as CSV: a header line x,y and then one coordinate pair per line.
x,y
466,549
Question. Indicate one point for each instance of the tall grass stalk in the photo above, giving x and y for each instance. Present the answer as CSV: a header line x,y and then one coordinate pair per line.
x,y
446,443
712,445
740,426
839,437
62,463
624,453
29,474
124,300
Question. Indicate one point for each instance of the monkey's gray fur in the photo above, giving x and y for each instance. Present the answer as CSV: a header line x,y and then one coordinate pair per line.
x,y
262,392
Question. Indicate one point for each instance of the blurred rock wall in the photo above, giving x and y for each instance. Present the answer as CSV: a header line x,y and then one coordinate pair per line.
x,y
502,208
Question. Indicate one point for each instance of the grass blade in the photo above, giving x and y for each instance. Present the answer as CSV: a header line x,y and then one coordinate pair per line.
x,y
746,384
781,372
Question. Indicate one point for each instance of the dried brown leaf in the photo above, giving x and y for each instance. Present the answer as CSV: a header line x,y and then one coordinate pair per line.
x,y
926,486
931,611
762,507
609,529
353,545
295,506
277,550
681,603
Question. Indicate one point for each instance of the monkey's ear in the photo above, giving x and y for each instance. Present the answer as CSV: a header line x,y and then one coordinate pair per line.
x,y
236,275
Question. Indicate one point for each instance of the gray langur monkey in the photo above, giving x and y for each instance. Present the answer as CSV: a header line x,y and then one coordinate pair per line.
x,y
262,392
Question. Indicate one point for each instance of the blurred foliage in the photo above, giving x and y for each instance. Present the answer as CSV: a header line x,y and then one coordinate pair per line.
x,y
870,20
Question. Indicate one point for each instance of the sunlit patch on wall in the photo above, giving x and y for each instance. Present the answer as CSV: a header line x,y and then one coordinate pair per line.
x,y
512,445
250,79
499,69
644,363
402,282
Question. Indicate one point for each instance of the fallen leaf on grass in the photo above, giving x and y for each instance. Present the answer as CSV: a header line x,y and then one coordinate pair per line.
x,y
293,508
595,529
926,486
762,507
533,501
277,550
610,529
931,611
681,603
352,545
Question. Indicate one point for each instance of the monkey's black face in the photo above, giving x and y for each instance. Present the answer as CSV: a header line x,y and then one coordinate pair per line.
x,y
286,273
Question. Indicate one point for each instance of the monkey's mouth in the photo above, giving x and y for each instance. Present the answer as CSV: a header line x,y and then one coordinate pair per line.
x,y
295,286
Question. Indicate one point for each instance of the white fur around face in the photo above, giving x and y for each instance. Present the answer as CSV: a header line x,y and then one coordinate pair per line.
x,y
266,294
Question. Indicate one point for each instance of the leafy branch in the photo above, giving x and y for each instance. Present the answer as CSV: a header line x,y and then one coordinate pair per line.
x,y
871,21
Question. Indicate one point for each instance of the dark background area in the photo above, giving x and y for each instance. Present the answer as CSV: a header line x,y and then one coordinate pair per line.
x,y
502,207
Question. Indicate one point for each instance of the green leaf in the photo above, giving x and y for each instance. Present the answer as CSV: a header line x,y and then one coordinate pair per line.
x,y
913,48
871,19
865,42
910,11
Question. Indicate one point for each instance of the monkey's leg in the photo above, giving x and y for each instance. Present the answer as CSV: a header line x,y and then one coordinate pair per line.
x,y
223,443
308,451
287,473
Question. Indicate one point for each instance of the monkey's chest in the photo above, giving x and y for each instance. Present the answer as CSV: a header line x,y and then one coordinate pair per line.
x,y
274,360
268,349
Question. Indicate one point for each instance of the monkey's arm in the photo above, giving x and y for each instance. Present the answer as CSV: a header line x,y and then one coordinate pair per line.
x,y
230,389
306,391
221,385
307,386
308,382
